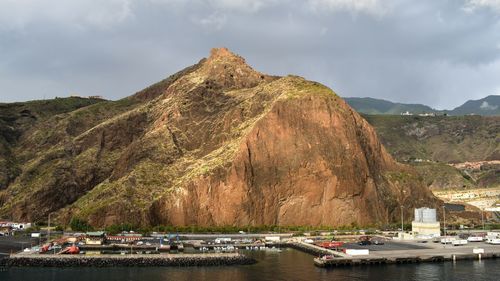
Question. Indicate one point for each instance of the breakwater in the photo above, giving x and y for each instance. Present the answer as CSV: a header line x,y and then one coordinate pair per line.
x,y
219,259
313,249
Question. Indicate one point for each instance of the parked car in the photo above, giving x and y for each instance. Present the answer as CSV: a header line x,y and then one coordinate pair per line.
x,y
365,242
378,242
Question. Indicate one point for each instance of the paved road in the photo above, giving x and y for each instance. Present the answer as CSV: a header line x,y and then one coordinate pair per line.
x,y
449,250
388,246
434,249
233,236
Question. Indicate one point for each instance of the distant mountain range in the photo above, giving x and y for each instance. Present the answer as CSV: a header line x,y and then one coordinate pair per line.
x,y
489,106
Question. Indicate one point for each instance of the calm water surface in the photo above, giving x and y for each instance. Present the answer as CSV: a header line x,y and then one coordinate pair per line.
x,y
287,265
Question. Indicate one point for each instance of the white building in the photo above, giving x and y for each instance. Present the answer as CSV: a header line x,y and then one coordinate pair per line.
x,y
21,225
425,223
223,240
272,239
15,225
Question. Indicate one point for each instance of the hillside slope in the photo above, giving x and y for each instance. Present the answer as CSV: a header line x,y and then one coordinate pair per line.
x,y
380,106
17,118
216,144
448,139
488,106
431,144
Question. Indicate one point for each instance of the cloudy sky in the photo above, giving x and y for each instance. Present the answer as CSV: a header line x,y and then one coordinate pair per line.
x,y
436,52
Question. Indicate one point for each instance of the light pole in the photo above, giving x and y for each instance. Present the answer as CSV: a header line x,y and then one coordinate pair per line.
x,y
444,220
402,218
482,217
48,230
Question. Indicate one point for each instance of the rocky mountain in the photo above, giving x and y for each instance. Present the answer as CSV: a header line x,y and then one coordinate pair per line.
x,y
215,144
380,106
488,106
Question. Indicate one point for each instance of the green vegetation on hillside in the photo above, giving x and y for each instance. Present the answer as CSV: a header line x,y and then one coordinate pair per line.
x,y
448,139
17,118
443,176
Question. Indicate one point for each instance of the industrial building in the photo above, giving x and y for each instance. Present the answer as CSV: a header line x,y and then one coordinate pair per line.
x,y
425,223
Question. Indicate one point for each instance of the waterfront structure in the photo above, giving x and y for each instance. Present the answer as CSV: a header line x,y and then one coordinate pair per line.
x,y
124,238
425,223
94,238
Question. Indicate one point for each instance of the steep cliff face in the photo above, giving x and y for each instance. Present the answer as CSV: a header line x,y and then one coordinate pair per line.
x,y
308,160
220,144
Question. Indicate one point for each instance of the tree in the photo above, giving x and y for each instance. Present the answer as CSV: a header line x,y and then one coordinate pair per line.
x,y
78,224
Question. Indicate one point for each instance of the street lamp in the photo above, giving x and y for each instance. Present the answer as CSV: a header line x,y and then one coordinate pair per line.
x,y
444,220
482,217
48,229
402,218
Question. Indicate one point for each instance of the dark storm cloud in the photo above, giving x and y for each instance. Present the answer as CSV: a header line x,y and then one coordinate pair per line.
x,y
436,52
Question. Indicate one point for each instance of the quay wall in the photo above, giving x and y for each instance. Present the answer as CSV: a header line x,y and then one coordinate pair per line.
x,y
336,262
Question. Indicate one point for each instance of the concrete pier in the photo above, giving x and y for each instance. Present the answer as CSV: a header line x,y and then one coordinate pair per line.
x,y
437,253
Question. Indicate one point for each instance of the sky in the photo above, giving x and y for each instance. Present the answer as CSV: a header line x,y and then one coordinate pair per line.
x,y
436,52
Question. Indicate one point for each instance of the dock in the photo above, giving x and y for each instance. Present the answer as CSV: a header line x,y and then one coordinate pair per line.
x,y
437,253
120,247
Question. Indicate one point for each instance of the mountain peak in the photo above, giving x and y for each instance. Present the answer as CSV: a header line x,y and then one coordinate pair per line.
x,y
230,70
224,54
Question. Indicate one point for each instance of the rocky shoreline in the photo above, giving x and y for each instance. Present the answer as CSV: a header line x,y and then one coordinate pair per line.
x,y
221,259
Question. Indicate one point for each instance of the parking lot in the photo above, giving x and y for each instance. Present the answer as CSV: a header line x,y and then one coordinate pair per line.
x,y
10,244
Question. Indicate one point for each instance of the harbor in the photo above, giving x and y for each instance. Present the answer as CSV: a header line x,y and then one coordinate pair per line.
x,y
425,243
351,253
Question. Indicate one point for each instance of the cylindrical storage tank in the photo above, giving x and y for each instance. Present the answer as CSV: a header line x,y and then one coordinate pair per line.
x,y
418,214
429,215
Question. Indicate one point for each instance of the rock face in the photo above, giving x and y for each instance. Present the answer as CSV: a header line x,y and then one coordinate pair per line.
x,y
215,144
